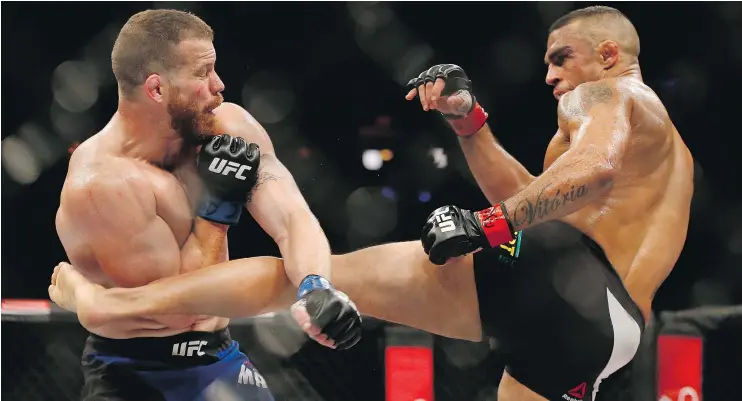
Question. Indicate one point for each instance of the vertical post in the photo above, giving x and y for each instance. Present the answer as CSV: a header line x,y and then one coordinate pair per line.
x,y
680,365
408,359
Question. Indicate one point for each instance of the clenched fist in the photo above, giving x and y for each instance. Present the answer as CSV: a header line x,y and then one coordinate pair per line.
x,y
326,314
451,232
228,167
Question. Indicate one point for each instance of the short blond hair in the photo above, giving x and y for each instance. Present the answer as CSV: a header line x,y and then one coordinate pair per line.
x,y
145,44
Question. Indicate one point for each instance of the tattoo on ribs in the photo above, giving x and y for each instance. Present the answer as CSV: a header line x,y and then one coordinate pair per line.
x,y
588,97
529,210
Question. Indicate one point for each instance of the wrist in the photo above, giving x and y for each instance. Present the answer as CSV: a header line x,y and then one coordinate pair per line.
x,y
469,124
312,282
220,211
496,225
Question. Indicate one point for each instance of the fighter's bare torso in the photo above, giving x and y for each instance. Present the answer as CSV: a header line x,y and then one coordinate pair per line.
x,y
171,195
642,223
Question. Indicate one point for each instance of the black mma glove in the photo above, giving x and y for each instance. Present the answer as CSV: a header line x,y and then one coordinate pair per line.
x,y
470,116
331,311
228,167
451,231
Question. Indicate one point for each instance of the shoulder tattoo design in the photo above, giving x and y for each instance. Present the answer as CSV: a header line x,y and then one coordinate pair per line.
x,y
580,103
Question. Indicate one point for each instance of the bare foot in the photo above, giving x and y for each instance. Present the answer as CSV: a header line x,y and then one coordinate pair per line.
x,y
72,291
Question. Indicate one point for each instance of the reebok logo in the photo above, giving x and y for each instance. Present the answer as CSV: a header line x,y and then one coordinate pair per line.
x,y
224,167
577,392
188,348
445,224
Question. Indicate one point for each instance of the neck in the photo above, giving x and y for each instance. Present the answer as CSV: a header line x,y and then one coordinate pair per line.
x,y
632,70
147,133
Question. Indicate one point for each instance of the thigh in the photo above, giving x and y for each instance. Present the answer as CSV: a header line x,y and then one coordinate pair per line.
x,y
111,382
512,390
232,377
235,377
397,283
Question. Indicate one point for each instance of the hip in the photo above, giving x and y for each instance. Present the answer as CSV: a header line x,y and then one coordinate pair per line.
x,y
193,365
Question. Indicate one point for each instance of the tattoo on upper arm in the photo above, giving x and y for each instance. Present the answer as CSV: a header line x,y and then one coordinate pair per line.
x,y
580,103
263,177
531,209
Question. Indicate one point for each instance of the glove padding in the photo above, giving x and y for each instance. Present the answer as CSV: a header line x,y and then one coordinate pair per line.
x,y
451,232
327,315
228,167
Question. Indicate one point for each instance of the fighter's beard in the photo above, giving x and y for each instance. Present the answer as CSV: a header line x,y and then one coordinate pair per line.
x,y
195,126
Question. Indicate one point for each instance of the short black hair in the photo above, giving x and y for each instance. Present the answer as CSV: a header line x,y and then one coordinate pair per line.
x,y
587,12
604,22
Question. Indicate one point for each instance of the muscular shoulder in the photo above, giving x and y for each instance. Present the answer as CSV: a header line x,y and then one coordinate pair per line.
x,y
589,96
236,121
107,187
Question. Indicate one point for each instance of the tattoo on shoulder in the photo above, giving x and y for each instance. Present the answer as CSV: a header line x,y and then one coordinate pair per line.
x,y
580,103
263,177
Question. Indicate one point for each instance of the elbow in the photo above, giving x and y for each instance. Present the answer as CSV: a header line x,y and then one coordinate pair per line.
x,y
603,167
605,176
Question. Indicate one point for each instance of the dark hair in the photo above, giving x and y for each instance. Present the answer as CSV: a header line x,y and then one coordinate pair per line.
x,y
619,26
146,42
587,12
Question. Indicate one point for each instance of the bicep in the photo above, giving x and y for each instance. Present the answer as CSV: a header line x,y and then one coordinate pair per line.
x,y
131,243
274,197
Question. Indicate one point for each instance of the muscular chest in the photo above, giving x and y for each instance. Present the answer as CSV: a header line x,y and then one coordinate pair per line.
x,y
176,195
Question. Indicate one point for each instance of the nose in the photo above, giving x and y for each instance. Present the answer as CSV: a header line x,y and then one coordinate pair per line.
x,y
552,75
218,84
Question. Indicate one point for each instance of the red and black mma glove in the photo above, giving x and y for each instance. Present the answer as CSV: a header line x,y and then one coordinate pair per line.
x,y
331,311
451,231
456,80
228,168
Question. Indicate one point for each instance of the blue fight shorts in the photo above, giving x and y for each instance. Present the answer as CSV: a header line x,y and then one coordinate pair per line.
x,y
193,366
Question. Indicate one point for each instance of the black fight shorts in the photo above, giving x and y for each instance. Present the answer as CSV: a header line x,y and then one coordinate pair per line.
x,y
558,311
193,366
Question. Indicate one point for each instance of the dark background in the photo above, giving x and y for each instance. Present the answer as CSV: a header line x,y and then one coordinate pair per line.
x,y
326,80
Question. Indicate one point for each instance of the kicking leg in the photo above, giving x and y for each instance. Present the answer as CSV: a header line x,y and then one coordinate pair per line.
x,y
396,282
512,390
393,282
239,288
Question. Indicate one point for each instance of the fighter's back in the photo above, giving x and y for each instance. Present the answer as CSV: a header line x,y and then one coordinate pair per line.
x,y
124,223
643,221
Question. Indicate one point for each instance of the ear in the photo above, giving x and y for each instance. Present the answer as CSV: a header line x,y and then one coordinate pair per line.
x,y
608,53
153,88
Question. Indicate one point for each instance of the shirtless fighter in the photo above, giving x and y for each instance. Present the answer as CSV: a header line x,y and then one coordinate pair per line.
x,y
140,203
570,259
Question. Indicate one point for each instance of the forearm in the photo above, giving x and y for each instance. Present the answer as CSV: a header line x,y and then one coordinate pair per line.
x,y
207,242
498,174
566,187
305,248
239,288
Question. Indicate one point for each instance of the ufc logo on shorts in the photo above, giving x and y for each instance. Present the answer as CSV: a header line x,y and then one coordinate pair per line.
x,y
224,167
445,224
188,348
